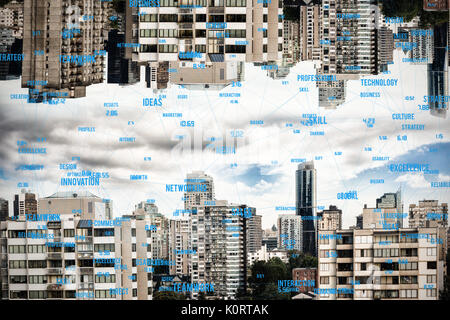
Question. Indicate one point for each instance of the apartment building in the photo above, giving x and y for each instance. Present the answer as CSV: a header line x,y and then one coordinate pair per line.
x,y
4,209
75,258
330,219
11,15
264,255
310,32
366,264
291,42
290,232
224,30
200,188
63,47
218,235
25,202
83,203
349,37
428,213
179,248
254,233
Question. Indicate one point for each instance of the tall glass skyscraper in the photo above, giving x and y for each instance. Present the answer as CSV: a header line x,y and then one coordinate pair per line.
x,y
305,201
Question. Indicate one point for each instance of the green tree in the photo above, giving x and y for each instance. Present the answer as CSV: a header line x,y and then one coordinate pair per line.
x,y
301,260
168,295
265,276
408,9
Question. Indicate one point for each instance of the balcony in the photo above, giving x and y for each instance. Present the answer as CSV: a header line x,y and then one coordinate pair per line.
x,y
88,285
54,271
53,287
85,255
86,270
54,255
185,25
216,9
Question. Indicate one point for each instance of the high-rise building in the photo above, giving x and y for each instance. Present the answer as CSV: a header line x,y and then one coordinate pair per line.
x,y
270,238
310,32
385,47
330,219
120,70
160,225
179,248
62,46
429,213
438,73
4,209
223,30
83,203
291,41
14,21
218,235
74,258
305,199
200,188
388,213
349,37
367,264
422,42
254,233
25,203
290,232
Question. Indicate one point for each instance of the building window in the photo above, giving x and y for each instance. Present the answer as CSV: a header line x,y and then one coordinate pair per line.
x,y
231,48
236,3
103,294
431,252
431,278
16,249
431,292
18,294
167,33
105,279
408,279
431,265
17,264
408,294
168,48
363,266
324,266
408,266
18,279
200,18
148,33
236,18
324,280
69,233
134,292
168,18
38,295
168,3
149,18
237,33
37,279
200,48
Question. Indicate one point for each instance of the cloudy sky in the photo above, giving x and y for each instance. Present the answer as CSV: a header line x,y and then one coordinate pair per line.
x,y
263,175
